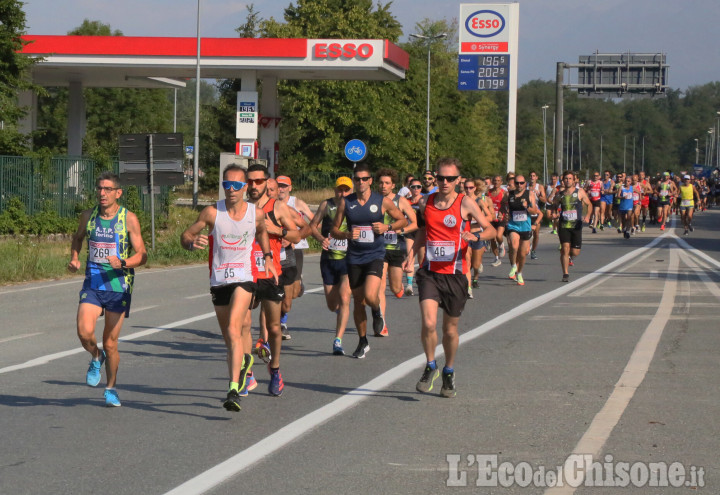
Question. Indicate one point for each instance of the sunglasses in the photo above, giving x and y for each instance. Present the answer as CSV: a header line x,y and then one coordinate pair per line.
x,y
106,189
519,183
447,178
415,187
256,182
361,179
235,185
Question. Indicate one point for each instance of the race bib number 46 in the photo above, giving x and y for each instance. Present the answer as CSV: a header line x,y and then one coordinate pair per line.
x,y
440,250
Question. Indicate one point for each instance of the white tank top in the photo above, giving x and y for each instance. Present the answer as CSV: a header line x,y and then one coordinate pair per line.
x,y
231,247
303,244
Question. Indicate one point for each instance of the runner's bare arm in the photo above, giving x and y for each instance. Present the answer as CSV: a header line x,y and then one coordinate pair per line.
x,y
303,208
315,224
469,209
586,201
409,213
400,221
191,238
137,243
339,217
261,236
77,240
532,207
286,217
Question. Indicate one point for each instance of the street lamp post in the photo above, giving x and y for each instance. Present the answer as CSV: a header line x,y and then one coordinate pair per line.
x,y
601,143
544,109
625,153
580,145
717,136
196,148
429,40
697,152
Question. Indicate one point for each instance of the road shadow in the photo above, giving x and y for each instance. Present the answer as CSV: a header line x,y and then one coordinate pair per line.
x,y
336,390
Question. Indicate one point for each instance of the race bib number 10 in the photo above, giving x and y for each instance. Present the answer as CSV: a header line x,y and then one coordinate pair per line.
x,y
366,234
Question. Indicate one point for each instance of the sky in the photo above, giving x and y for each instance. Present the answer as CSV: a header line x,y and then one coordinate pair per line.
x,y
550,31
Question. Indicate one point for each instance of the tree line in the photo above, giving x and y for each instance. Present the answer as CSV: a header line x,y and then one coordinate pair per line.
x,y
320,116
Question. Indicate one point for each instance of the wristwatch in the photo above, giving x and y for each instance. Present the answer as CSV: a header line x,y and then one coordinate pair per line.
x,y
284,232
122,263
265,255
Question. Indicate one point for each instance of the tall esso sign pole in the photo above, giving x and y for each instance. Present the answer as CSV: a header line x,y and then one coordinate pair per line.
x,y
488,56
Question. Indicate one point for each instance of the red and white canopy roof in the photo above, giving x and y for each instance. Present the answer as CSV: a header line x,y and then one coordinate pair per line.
x,y
128,61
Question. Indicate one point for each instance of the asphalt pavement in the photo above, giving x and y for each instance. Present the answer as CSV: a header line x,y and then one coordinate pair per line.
x,y
619,365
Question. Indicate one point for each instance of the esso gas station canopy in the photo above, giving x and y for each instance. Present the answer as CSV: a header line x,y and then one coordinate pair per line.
x,y
147,62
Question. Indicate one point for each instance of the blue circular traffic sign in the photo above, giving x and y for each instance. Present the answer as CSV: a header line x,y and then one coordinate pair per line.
x,y
355,150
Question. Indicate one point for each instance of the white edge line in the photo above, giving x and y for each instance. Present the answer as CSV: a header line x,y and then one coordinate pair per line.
x,y
18,337
58,355
255,453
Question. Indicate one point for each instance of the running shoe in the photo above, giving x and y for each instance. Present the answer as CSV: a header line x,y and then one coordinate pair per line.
x,y
246,368
427,380
338,348
502,250
511,275
276,385
602,227
686,232
619,230
533,255
384,333
475,284
594,230
362,348
250,384
570,261
609,224
554,232
480,270
520,280
232,401
469,291
691,228
409,290
264,352
566,277
258,345
448,386
111,398
559,247
92,377
662,227
378,323
632,230
642,229
626,235
285,334
497,262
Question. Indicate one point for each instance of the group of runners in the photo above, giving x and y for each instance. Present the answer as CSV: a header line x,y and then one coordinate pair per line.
x,y
371,237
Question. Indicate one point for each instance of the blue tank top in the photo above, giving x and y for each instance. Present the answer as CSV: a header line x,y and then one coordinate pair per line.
x,y
108,238
369,246
626,198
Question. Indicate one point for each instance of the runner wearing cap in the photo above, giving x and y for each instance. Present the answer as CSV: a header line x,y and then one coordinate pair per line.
x,y
333,266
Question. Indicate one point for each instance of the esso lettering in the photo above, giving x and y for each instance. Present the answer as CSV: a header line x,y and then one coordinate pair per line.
x,y
485,23
347,50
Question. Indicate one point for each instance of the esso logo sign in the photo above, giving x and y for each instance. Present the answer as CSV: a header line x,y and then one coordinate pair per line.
x,y
345,50
485,23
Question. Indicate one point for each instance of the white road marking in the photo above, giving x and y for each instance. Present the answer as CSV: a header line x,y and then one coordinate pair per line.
x,y
58,355
18,337
633,375
289,433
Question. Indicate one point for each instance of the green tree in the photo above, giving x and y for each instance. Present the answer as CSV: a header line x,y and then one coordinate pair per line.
x,y
109,112
13,76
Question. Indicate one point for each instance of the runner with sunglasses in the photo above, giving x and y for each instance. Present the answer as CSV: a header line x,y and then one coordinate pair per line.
x,y
569,210
365,211
280,225
234,225
594,189
496,195
112,231
536,188
521,204
442,280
